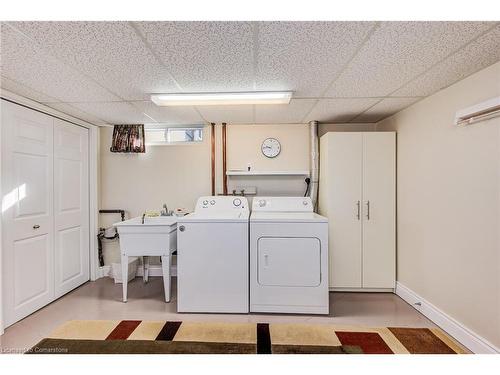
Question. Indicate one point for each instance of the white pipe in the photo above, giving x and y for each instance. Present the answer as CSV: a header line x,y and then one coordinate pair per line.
x,y
314,184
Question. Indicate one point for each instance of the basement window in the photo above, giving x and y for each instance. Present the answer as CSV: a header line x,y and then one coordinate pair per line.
x,y
161,135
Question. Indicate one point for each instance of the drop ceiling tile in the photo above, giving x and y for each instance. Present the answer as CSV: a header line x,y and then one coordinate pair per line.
x,y
398,52
232,114
305,56
170,115
75,112
112,53
283,113
339,110
114,112
24,62
481,53
27,92
204,56
384,108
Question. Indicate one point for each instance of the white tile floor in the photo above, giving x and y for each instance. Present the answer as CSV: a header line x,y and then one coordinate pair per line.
x,y
101,300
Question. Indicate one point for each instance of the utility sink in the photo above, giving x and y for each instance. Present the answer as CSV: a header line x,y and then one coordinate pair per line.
x,y
161,220
148,221
157,236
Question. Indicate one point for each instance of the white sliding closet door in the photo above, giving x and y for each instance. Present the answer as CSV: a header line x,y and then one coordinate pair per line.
x,y
379,201
27,211
71,206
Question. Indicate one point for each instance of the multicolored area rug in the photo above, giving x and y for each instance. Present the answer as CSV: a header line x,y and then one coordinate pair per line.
x,y
148,337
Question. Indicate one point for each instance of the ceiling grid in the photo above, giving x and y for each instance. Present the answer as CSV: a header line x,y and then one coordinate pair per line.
x,y
104,72
389,96
375,27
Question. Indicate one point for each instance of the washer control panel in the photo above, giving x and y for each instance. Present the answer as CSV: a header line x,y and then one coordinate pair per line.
x,y
282,204
221,203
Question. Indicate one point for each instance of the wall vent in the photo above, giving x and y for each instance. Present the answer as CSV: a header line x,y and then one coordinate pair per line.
x,y
479,112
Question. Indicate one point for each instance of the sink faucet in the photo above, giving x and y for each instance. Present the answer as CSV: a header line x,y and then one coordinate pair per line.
x,y
165,211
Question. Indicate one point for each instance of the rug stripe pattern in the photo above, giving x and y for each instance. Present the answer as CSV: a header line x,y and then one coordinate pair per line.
x,y
168,331
421,341
369,342
263,339
123,330
174,337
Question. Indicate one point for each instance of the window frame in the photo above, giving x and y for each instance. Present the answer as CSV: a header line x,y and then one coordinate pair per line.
x,y
166,129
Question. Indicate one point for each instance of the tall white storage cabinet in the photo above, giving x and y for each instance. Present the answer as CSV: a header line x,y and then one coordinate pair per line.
x,y
357,192
45,209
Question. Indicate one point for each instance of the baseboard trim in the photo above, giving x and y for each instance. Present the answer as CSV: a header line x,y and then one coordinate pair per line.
x,y
154,270
103,271
363,290
461,333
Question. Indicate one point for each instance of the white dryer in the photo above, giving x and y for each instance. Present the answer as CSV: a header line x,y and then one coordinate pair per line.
x,y
288,257
212,256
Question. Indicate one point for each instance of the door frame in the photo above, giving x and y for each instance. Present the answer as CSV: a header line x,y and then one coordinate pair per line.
x,y
93,181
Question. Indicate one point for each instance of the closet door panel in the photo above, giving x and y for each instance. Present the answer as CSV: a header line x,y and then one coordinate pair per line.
x,y
31,260
344,190
379,184
27,211
31,181
71,204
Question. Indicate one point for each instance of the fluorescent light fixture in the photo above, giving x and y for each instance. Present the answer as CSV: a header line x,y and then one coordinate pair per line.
x,y
223,98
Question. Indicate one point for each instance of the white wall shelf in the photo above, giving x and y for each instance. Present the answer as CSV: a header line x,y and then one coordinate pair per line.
x,y
266,173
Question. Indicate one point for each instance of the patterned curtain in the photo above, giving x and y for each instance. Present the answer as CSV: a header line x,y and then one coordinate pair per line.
x,y
128,138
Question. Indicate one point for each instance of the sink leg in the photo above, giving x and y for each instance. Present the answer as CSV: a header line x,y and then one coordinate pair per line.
x,y
145,265
124,276
165,265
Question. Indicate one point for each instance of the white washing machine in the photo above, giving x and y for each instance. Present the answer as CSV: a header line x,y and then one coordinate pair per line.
x,y
288,257
212,256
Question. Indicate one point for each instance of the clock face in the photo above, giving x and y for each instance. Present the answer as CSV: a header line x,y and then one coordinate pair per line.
x,y
271,147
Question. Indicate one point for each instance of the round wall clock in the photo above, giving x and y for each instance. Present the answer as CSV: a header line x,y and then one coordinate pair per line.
x,y
271,147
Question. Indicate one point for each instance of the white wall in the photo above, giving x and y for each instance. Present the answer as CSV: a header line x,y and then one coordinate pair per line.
x,y
359,127
178,175
449,204
244,142
175,174
244,148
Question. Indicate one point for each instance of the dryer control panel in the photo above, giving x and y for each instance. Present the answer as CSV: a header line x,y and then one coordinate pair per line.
x,y
221,203
282,204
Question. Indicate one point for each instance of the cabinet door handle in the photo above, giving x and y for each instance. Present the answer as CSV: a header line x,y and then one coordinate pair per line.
x,y
358,215
367,210
36,226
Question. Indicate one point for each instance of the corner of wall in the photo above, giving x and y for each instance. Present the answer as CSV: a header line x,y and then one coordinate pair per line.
x,y
438,166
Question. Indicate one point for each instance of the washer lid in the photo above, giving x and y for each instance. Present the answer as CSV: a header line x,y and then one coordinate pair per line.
x,y
215,217
287,217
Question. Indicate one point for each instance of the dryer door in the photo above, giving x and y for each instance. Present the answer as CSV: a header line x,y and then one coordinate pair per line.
x,y
285,261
